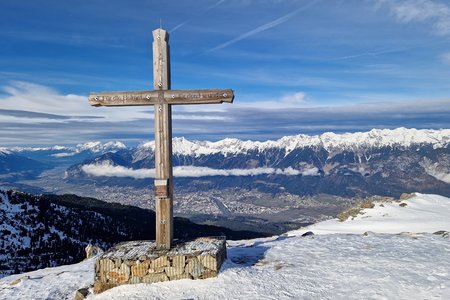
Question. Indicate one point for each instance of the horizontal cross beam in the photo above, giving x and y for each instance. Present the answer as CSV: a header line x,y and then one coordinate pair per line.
x,y
173,97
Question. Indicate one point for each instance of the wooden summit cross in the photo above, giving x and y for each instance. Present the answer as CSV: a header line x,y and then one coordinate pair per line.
x,y
162,97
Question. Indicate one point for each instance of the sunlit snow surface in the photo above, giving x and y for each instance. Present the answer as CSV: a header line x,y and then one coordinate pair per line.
x,y
50,283
424,213
332,265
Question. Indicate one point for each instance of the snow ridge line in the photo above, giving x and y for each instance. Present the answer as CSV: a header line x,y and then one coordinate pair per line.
x,y
358,142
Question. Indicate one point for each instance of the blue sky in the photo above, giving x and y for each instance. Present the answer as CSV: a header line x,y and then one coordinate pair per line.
x,y
297,66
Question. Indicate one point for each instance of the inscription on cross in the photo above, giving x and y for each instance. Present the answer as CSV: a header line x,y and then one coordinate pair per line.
x,y
162,97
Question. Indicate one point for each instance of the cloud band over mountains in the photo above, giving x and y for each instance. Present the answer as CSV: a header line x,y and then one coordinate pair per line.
x,y
191,171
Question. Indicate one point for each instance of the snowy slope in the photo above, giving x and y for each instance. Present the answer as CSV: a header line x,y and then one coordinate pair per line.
x,y
50,283
423,213
328,266
324,267
38,231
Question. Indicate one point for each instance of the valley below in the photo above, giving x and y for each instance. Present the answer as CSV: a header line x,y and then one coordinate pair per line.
x,y
234,208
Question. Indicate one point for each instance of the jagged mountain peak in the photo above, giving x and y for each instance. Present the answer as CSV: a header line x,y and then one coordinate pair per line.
x,y
403,137
4,152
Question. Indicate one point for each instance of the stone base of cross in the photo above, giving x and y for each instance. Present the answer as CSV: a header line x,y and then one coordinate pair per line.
x,y
162,98
141,262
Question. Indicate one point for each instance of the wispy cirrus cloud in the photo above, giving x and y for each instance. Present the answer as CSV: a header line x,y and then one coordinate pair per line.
x,y
263,27
196,16
370,54
436,13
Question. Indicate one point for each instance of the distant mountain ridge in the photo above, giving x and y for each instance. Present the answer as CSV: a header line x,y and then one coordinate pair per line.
x,y
376,138
28,162
383,162
93,146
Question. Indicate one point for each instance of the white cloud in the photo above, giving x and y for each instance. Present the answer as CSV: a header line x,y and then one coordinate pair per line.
x,y
433,12
117,171
191,171
29,97
311,172
295,99
64,154
108,170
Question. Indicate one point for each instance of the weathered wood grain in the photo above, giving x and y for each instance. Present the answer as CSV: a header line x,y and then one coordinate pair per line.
x,y
172,97
210,96
163,139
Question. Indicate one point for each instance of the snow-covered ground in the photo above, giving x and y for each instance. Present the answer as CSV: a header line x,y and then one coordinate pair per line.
x,y
424,213
338,262
50,283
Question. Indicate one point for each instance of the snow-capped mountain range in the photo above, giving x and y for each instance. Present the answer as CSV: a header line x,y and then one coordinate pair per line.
x,y
93,146
100,147
385,162
374,139
368,257
27,162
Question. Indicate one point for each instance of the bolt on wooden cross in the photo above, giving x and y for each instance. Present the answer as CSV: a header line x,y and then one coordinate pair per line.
x,y
162,98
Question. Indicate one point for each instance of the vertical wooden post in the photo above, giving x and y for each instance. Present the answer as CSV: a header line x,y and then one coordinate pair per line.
x,y
163,142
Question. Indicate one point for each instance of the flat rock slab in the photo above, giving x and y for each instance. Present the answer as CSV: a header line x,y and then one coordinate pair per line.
x,y
141,262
